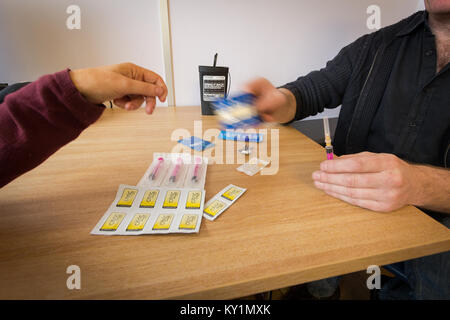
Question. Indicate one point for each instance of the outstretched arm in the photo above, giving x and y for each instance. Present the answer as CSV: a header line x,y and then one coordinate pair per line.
x,y
41,117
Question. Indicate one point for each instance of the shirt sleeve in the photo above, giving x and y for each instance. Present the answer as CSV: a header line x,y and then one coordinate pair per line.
x,y
38,119
326,87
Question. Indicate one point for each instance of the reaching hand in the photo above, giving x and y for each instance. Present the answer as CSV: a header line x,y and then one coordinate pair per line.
x,y
272,104
127,84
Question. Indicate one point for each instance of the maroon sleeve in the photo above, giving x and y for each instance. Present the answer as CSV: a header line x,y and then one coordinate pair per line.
x,y
38,119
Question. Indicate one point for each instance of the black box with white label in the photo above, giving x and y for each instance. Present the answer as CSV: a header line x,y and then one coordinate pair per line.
x,y
213,86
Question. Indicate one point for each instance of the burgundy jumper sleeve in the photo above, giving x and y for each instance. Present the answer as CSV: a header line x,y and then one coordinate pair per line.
x,y
38,119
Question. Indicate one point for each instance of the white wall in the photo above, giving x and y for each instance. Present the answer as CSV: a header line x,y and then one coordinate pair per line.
x,y
34,39
279,40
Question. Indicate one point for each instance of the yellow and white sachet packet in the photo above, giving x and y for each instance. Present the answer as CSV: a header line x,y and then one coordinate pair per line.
x,y
222,201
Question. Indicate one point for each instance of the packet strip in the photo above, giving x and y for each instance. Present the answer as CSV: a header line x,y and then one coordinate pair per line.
x,y
222,201
116,220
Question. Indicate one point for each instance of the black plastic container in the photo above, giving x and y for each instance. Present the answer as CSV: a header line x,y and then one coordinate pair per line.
x,y
213,86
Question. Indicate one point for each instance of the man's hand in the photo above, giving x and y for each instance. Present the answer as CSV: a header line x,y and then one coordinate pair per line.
x,y
273,105
383,182
128,85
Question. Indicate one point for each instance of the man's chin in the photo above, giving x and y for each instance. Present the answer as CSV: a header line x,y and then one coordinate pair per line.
x,y
438,6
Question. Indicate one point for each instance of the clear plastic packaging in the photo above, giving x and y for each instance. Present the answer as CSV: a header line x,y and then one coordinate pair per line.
x,y
176,174
196,174
176,170
253,166
155,174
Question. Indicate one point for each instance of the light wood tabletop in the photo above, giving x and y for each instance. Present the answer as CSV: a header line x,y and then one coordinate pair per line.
x,y
281,232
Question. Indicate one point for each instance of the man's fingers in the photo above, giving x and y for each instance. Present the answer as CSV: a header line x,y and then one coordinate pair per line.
x,y
368,204
258,86
267,117
365,162
355,193
345,156
352,180
368,180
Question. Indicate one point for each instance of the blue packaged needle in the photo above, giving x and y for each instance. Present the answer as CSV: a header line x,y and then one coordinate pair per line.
x,y
240,136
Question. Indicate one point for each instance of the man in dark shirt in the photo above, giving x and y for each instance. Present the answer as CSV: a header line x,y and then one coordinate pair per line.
x,y
393,133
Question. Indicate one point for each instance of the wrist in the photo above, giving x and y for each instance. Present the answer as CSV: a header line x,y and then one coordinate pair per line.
x,y
415,176
289,106
75,76
422,185
82,82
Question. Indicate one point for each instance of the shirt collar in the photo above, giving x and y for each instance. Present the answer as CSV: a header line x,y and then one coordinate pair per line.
x,y
418,20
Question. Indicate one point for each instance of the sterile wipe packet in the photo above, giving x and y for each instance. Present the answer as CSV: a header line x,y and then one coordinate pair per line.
x,y
253,166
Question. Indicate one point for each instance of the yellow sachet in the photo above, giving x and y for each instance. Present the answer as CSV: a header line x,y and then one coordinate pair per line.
x,y
138,222
214,208
193,200
127,198
163,222
232,193
171,200
113,221
189,221
149,199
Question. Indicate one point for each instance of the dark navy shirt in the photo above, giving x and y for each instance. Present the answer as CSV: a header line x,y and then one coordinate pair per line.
x,y
413,118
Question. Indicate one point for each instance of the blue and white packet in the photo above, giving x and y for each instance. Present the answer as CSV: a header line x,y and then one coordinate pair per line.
x,y
196,143
240,136
237,112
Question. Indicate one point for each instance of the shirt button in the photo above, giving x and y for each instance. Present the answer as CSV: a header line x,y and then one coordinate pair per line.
x,y
429,53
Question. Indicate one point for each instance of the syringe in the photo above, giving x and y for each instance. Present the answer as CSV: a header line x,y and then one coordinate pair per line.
x,y
328,146
174,174
156,169
196,169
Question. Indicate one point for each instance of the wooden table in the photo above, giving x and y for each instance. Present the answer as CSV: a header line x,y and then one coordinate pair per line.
x,y
282,232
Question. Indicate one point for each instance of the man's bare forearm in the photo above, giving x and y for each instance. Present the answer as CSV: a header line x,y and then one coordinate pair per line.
x,y
433,190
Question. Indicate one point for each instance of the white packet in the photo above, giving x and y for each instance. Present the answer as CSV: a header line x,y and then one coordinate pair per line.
x,y
253,166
